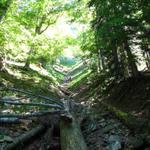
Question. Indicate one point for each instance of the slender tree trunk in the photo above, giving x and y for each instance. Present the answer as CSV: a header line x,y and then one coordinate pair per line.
x,y
102,59
98,62
147,56
131,60
27,63
116,62
124,62
101,62
1,63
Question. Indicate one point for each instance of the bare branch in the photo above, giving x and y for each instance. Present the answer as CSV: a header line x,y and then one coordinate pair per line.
x,y
38,96
32,104
49,23
25,137
31,115
9,121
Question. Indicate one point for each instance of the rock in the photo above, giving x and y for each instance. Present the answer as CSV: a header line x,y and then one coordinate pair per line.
x,y
114,142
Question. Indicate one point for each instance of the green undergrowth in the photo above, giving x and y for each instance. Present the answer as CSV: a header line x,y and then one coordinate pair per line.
x,y
77,69
56,74
30,80
80,73
80,79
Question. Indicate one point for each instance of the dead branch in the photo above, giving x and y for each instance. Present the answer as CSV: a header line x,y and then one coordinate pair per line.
x,y
19,141
31,104
38,96
9,121
31,115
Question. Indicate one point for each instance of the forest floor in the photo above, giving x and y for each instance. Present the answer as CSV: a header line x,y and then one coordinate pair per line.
x,y
102,127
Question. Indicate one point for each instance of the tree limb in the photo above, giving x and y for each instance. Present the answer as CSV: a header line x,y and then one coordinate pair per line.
x,y
31,104
9,121
34,114
19,141
49,23
38,96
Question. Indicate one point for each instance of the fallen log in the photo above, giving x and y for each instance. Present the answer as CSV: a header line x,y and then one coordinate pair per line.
x,y
71,136
31,104
4,121
31,115
32,94
19,142
70,133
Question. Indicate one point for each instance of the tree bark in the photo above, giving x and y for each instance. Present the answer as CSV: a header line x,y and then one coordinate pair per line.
x,y
147,55
124,62
117,71
70,134
131,60
19,142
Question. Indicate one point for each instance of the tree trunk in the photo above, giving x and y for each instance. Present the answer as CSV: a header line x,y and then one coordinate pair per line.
x,y
131,60
124,62
147,55
27,63
4,11
1,64
116,68
71,136
19,141
70,133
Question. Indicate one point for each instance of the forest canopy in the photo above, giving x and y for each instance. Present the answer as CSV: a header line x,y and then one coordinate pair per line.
x,y
114,33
